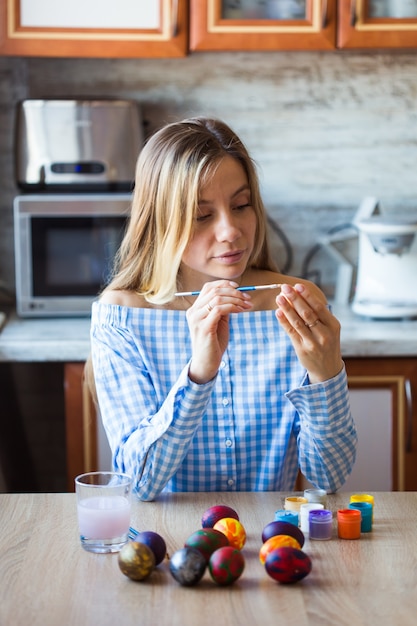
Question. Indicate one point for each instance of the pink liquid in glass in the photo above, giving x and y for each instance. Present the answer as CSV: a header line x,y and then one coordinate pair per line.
x,y
103,518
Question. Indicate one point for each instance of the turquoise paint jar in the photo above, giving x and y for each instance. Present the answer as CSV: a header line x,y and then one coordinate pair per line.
x,y
366,510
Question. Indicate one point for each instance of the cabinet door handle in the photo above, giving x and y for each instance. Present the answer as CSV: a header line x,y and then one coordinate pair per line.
x,y
353,13
324,14
409,404
174,18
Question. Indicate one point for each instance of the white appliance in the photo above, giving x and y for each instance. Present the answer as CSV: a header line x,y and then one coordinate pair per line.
x,y
386,286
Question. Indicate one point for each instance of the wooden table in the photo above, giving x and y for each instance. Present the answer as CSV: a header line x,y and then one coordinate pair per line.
x,y
47,579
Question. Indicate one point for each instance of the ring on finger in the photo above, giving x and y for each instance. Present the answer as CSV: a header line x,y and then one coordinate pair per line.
x,y
209,307
313,324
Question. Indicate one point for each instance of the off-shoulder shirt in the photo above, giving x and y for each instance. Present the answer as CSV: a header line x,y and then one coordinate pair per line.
x,y
249,429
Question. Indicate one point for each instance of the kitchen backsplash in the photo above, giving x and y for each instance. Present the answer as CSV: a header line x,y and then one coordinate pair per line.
x,y
325,129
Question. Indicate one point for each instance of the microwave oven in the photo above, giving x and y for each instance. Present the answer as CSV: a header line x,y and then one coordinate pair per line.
x,y
64,250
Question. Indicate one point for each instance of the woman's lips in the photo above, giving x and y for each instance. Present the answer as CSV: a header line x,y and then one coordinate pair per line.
x,y
230,257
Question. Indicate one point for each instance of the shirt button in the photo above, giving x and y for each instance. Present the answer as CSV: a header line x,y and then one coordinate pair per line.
x,y
225,401
222,365
228,443
230,482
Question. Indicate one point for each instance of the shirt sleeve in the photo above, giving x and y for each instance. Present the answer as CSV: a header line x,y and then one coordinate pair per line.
x,y
148,441
327,437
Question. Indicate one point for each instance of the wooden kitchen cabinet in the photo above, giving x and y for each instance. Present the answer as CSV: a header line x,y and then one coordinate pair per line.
x,y
323,24
80,424
126,28
172,28
377,24
260,25
398,376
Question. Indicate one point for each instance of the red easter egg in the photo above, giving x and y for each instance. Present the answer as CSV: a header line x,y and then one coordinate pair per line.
x,y
234,531
288,565
214,513
283,528
226,565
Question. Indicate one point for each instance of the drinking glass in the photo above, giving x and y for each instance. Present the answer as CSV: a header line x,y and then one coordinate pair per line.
x,y
103,507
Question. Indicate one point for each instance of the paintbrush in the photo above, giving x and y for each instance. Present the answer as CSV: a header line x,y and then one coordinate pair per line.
x,y
250,288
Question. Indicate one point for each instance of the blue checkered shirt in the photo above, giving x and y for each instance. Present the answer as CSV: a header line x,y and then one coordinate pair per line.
x,y
249,429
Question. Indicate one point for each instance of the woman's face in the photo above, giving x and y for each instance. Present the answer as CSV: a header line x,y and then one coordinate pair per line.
x,y
224,231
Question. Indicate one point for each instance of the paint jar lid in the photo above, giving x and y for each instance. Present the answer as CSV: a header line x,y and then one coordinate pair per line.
x,y
320,516
287,516
349,516
364,507
362,497
316,495
293,503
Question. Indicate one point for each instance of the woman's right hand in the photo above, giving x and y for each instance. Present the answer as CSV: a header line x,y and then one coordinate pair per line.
x,y
208,321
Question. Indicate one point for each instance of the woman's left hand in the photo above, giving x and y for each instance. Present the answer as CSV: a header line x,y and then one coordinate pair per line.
x,y
314,332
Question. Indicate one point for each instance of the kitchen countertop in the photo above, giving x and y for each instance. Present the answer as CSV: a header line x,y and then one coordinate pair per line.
x,y
44,339
365,337
67,339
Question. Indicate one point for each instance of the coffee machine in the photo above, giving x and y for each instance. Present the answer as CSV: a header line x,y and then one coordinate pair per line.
x,y
386,284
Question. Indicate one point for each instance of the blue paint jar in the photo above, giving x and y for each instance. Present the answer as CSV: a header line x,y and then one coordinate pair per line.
x,y
366,509
286,516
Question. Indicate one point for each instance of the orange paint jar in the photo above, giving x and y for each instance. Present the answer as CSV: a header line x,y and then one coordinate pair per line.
x,y
349,524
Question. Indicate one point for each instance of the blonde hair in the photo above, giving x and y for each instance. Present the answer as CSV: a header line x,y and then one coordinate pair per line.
x,y
173,165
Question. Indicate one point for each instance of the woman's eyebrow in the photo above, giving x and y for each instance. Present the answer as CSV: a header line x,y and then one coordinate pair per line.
x,y
244,187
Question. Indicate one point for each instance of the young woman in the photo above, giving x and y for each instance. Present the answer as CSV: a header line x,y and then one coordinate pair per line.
x,y
223,389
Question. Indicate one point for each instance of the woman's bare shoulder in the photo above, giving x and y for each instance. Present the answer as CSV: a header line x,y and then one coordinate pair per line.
x,y
123,297
130,298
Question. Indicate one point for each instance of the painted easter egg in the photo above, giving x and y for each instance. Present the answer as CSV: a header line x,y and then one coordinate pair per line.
x,y
215,513
155,542
136,560
277,541
207,540
187,566
234,531
288,565
226,565
283,528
